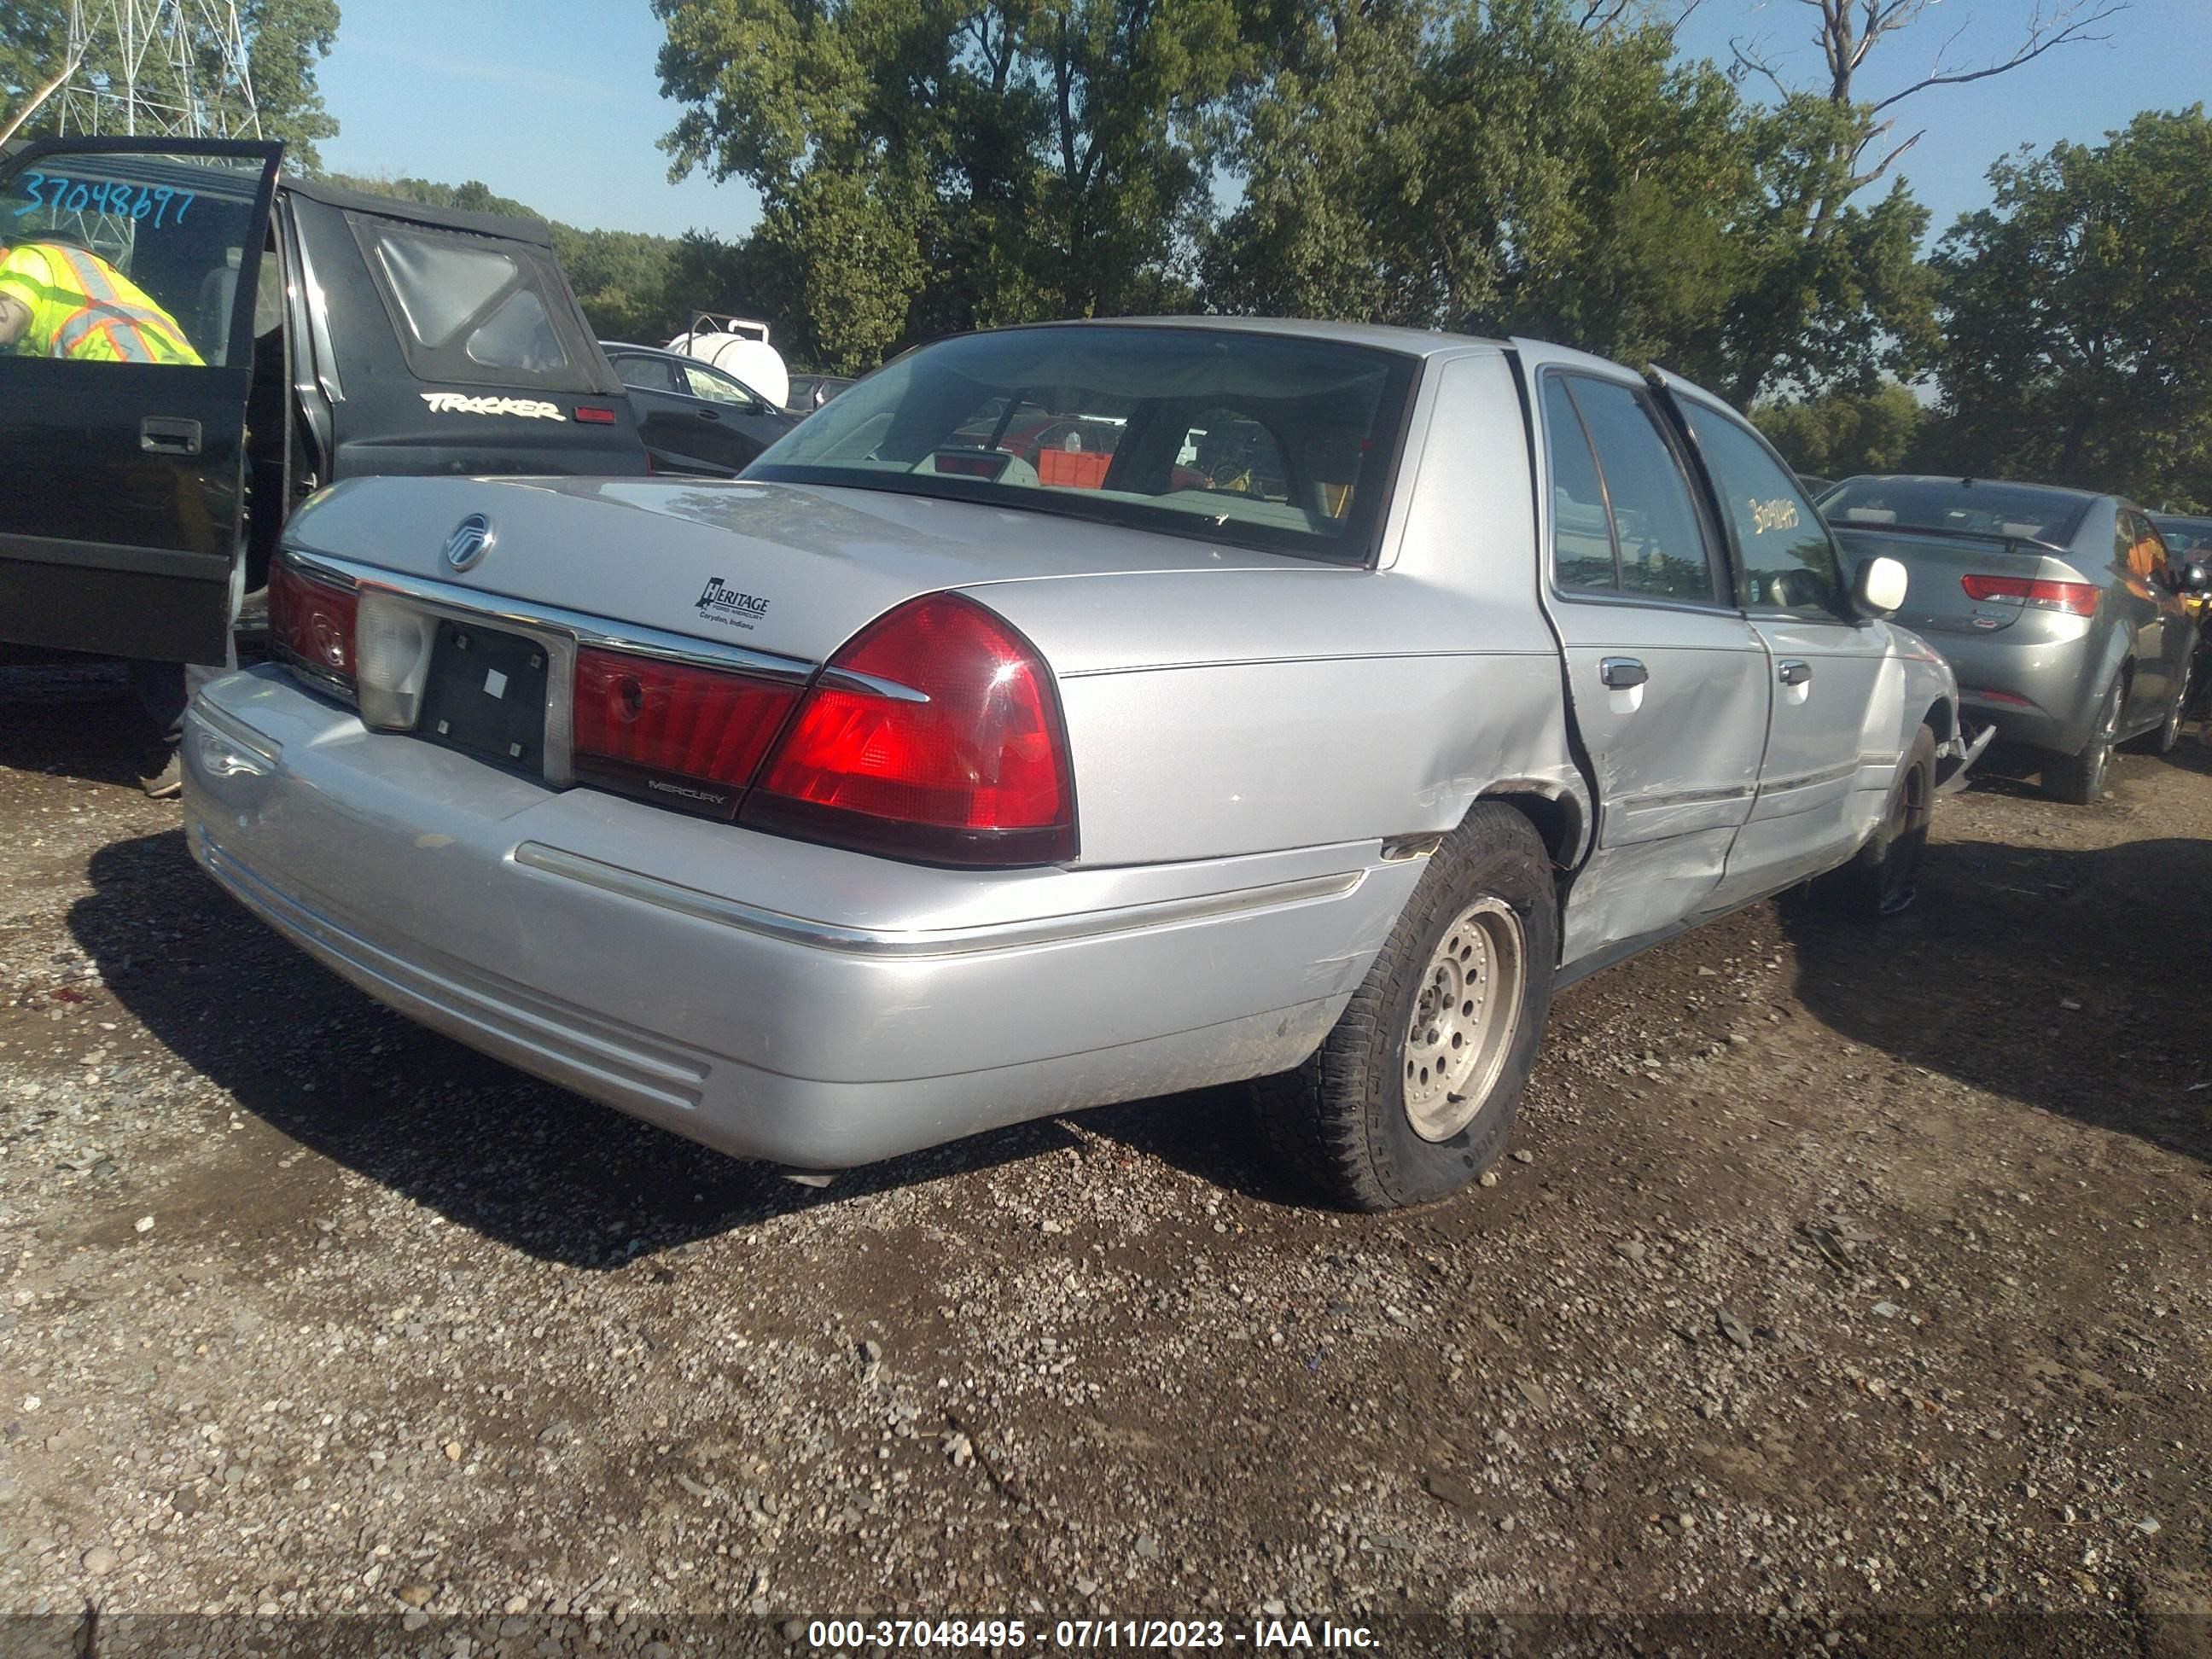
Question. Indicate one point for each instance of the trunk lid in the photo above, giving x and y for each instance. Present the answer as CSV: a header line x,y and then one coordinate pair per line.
x,y
791,569
1936,601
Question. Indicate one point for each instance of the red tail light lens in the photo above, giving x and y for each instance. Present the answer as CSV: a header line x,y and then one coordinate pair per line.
x,y
2076,598
674,733
595,414
313,624
968,767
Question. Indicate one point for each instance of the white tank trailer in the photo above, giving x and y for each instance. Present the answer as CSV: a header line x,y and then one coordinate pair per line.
x,y
738,346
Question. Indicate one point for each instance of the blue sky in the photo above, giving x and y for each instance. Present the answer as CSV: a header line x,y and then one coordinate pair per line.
x,y
556,102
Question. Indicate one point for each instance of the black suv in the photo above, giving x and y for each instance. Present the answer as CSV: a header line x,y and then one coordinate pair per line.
x,y
336,334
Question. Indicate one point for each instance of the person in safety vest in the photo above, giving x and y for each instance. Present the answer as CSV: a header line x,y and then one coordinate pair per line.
x,y
57,301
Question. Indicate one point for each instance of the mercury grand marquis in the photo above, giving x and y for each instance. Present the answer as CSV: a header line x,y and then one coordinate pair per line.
x,y
1076,713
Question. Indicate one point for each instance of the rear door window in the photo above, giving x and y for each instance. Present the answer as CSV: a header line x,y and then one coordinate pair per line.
x,y
1628,522
1582,544
474,308
646,374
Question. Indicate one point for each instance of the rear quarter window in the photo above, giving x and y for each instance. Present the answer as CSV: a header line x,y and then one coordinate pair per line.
x,y
475,309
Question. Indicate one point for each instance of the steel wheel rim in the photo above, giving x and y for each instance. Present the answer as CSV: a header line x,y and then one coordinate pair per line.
x,y
2100,746
1466,1009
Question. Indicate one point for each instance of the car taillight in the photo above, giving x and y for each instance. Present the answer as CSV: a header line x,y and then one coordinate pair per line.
x,y
313,623
934,734
675,733
2076,598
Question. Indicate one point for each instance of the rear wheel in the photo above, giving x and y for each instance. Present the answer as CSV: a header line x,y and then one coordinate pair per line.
x,y
2079,779
1412,1095
1879,881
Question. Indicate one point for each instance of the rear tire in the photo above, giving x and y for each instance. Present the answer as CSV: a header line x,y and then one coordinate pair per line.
x,y
1412,1095
1879,881
2079,779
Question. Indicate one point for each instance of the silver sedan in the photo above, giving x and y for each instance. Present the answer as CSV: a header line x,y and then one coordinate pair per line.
x,y
2063,612
1073,713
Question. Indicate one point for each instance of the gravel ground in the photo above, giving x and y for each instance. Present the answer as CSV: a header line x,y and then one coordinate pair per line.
x,y
1839,1275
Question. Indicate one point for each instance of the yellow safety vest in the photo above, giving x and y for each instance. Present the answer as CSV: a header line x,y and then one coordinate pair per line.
x,y
83,307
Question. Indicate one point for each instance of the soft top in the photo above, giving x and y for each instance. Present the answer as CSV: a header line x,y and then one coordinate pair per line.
x,y
534,231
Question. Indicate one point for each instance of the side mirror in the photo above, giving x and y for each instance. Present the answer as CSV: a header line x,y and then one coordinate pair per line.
x,y
1878,590
2193,578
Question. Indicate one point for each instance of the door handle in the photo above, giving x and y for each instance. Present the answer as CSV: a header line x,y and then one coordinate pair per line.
x,y
168,434
710,415
1796,673
1622,673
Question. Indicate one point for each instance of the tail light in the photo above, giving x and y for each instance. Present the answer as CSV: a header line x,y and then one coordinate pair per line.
x,y
675,733
2076,598
313,623
934,734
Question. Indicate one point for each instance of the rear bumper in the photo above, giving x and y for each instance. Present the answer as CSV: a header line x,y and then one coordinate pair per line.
x,y
769,997
2039,691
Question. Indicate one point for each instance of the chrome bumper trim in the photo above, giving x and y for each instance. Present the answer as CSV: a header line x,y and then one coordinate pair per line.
x,y
902,943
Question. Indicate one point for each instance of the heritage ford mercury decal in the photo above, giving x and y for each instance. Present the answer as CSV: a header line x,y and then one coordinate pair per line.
x,y
454,403
722,602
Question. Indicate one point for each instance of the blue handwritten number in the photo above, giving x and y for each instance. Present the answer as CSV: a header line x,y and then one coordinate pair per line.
x,y
103,196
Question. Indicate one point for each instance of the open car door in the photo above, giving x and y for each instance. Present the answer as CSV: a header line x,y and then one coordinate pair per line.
x,y
127,285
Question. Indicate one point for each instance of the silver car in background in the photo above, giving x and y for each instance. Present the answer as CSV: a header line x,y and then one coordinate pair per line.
x,y
1073,714
2062,611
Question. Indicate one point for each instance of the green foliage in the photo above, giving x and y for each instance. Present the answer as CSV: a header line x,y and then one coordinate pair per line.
x,y
286,39
1841,433
944,165
1502,168
2078,313
1485,165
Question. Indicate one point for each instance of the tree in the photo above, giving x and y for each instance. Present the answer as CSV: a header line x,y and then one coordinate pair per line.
x,y
1550,167
2078,344
1846,432
1824,247
925,167
285,40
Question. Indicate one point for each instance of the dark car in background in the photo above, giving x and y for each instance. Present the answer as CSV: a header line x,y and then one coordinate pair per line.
x,y
2060,611
2186,537
329,334
695,417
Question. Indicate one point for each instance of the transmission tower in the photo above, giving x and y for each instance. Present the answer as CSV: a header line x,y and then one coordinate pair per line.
x,y
173,68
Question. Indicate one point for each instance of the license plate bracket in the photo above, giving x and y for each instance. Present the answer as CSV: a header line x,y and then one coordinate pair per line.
x,y
485,695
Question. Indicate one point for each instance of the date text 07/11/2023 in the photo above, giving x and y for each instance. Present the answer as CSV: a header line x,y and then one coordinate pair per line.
x,y
1013,1635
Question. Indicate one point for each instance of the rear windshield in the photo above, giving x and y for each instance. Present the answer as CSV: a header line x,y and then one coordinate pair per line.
x,y
2184,538
1956,505
1259,441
